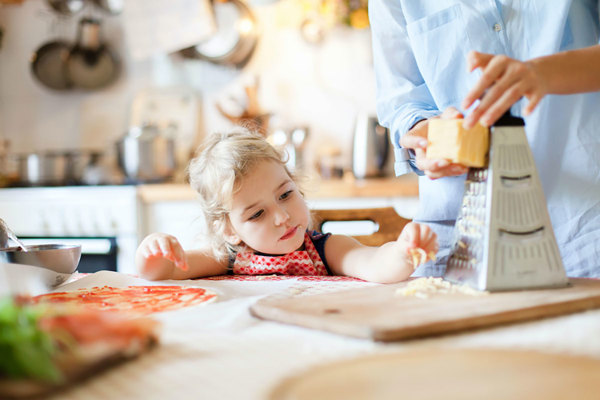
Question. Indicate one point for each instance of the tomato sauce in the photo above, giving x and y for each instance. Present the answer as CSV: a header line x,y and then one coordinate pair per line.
x,y
139,300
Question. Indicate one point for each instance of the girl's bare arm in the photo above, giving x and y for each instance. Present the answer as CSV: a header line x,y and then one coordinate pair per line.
x,y
391,262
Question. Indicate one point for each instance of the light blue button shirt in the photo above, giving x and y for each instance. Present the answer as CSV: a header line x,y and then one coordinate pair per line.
x,y
419,50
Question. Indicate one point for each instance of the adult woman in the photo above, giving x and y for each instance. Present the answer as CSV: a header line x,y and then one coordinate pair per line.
x,y
481,58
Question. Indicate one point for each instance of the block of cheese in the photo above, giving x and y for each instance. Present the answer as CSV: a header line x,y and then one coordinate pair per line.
x,y
449,140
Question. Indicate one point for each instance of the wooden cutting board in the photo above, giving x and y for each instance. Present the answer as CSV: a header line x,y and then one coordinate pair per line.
x,y
379,313
450,374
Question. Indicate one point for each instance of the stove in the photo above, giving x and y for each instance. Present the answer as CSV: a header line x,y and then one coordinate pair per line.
x,y
103,219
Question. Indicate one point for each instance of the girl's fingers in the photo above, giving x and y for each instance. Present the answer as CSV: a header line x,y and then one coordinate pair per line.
x,y
154,248
173,251
410,234
418,235
419,243
430,243
165,246
180,261
145,252
425,234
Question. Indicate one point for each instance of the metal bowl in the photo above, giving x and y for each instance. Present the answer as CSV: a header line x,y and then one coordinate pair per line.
x,y
57,257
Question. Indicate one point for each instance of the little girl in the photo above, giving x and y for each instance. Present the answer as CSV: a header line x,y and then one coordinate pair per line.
x,y
258,223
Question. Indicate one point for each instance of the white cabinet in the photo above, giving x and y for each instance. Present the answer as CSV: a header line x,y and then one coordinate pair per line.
x,y
184,220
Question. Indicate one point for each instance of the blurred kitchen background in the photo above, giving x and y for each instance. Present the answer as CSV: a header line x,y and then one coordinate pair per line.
x,y
310,67
102,103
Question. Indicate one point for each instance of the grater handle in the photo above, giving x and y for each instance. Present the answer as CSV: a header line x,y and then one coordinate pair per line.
x,y
507,119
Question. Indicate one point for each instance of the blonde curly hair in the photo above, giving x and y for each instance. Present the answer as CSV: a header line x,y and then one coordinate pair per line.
x,y
215,174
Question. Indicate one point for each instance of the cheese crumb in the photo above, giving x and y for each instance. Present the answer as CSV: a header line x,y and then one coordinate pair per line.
x,y
419,256
423,287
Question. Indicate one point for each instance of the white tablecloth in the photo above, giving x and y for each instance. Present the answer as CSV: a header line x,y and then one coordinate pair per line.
x,y
219,351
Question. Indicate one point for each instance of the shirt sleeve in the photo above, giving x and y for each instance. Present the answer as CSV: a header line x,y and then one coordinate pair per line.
x,y
403,98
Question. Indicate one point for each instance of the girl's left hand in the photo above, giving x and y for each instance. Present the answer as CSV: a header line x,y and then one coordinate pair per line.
x,y
504,81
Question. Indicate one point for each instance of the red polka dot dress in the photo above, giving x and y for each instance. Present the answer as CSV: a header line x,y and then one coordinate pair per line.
x,y
299,262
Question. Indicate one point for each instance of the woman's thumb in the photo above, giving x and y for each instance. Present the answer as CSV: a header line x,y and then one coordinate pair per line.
x,y
411,141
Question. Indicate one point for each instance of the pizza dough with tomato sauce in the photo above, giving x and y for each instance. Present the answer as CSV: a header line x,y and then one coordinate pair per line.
x,y
138,300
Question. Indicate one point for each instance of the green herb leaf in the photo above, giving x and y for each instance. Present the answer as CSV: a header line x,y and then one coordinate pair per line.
x,y
27,351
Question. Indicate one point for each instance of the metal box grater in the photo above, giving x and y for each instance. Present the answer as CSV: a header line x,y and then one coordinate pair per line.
x,y
503,237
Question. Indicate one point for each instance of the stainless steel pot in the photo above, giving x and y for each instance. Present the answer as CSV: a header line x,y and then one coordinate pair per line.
x,y
144,155
77,163
42,168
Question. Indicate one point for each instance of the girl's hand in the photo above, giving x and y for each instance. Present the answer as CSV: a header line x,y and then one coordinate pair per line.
x,y
162,245
504,81
416,140
417,236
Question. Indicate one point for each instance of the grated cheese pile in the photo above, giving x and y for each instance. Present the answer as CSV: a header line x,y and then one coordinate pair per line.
x,y
424,287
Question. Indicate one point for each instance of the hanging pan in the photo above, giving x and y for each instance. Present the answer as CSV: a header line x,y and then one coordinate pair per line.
x,y
91,64
48,64
66,7
235,39
113,7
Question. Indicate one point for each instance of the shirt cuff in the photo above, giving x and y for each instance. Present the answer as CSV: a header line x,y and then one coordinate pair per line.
x,y
404,126
405,162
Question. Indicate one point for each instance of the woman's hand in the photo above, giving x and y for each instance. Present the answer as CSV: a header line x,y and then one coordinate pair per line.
x,y
504,81
416,140
163,246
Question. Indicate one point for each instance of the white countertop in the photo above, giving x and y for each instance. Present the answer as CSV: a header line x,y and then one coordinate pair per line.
x,y
219,351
